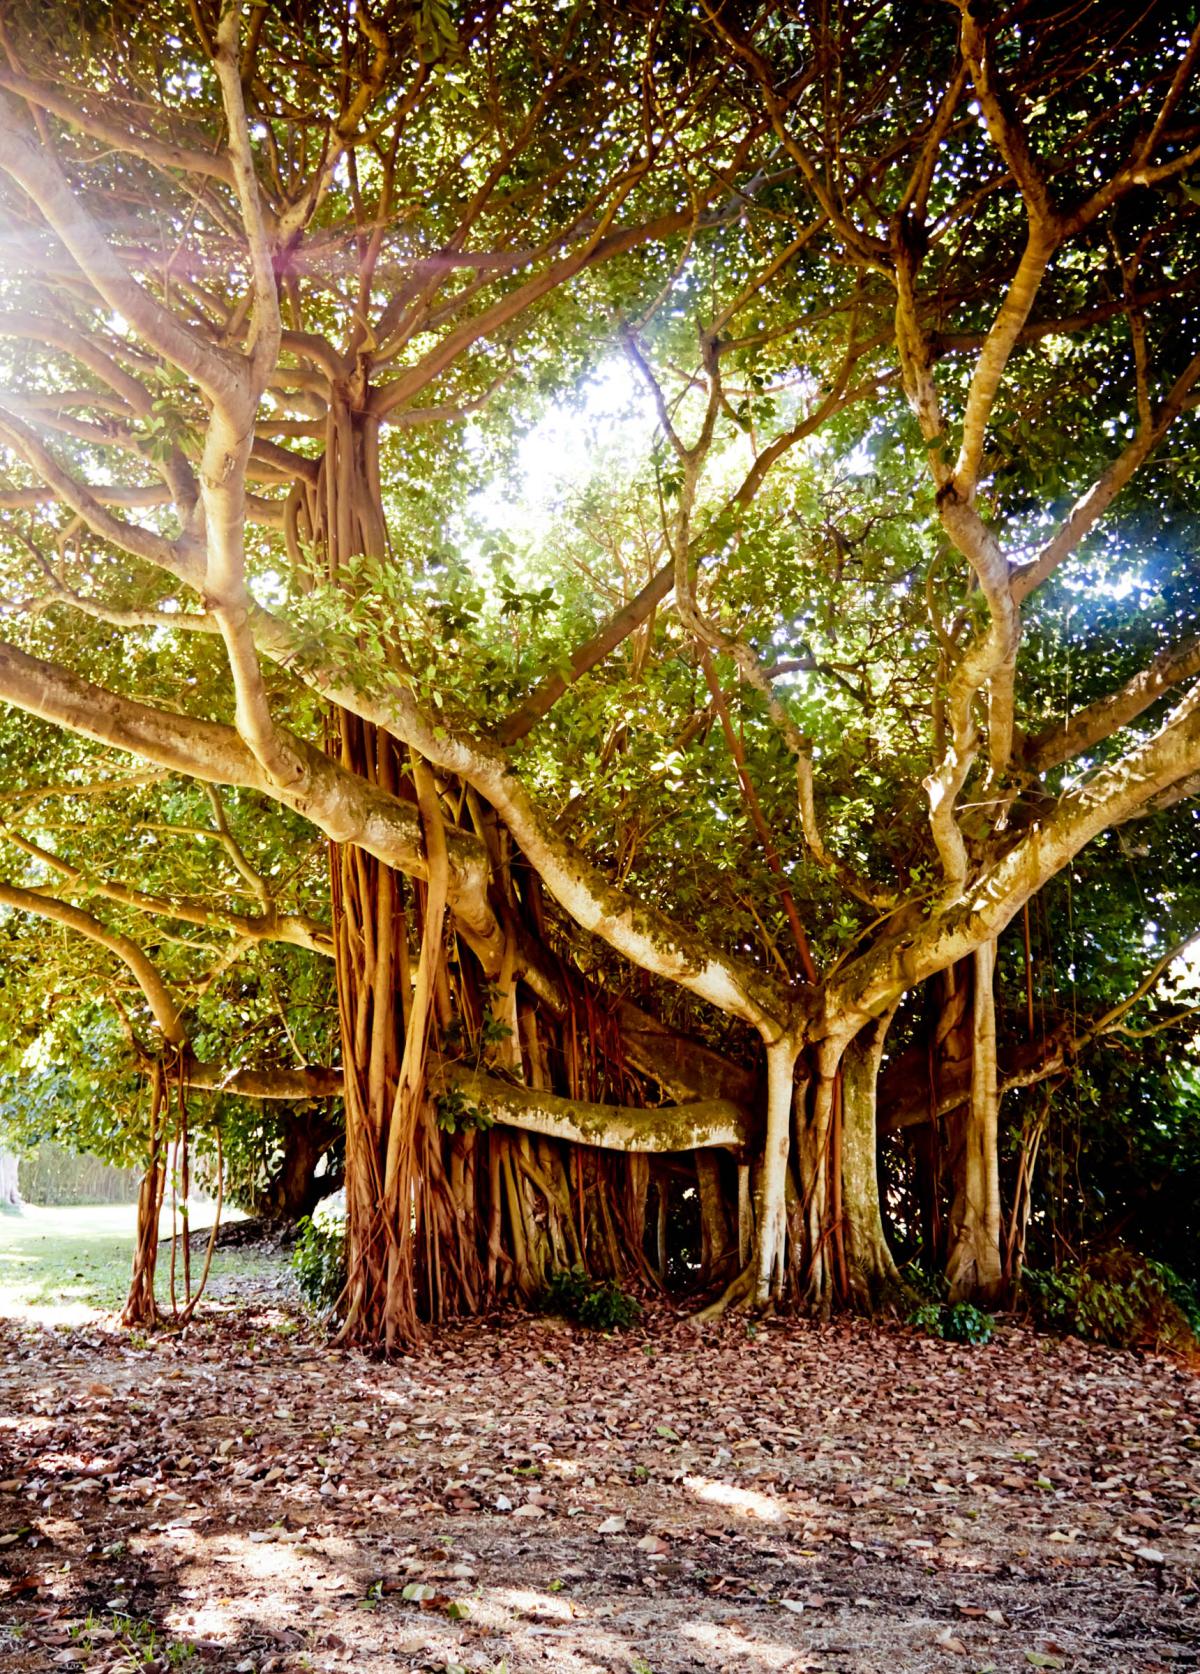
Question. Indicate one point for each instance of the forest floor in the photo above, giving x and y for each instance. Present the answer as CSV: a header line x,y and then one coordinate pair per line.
x,y
521,1495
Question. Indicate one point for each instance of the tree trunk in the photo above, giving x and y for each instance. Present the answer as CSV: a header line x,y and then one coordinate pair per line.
x,y
771,1218
818,1148
973,1270
141,1304
295,1190
870,1270
10,1191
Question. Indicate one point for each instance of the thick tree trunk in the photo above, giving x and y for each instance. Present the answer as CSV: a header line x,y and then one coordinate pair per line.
x,y
870,1270
771,1219
973,1270
141,1304
10,1191
444,1210
295,1190
817,1269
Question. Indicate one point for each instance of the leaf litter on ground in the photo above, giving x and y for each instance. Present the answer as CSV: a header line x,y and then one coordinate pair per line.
x,y
521,1492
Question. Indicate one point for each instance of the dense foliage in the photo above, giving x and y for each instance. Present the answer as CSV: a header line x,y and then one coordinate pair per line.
x,y
637,557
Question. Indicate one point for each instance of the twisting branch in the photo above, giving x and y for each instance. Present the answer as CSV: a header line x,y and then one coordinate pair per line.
x,y
291,928
37,172
179,558
1071,737
144,971
709,636
230,439
234,849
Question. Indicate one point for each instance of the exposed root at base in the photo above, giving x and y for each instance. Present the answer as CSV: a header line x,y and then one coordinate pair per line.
x,y
739,1293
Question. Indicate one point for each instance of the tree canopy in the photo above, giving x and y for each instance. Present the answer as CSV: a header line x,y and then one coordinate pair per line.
x,y
590,827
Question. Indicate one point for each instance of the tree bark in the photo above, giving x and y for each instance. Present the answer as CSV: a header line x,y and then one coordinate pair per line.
x,y
870,1270
771,1218
295,1191
974,1269
10,1191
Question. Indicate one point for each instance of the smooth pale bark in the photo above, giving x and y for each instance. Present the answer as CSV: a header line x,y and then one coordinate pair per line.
x,y
10,1191
771,1219
870,1268
974,1270
311,1081
611,1127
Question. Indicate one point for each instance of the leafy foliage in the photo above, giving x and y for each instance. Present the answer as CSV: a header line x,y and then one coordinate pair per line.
x,y
600,1304
319,1257
953,1322
1116,1297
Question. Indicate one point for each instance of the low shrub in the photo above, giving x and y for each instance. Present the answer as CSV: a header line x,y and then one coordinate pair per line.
x,y
600,1304
1117,1297
319,1256
953,1322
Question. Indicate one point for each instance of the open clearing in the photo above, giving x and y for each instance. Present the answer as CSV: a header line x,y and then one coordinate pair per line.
x,y
66,1266
521,1495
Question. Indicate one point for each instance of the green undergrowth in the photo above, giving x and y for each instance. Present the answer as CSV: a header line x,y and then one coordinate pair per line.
x,y
600,1304
1116,1297
319,1258
953,1322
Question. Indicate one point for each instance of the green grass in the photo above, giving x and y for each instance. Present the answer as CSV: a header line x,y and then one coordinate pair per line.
x,y
65,1266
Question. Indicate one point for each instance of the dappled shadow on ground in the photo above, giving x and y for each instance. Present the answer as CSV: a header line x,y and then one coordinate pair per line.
x,y
522,1495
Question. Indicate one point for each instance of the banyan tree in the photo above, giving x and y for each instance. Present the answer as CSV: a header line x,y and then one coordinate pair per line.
x,y
668,858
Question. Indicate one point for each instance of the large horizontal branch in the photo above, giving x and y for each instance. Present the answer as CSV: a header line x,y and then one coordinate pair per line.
x,y
313,1081
612,1127
916,950
707,1123
338,802
1066,739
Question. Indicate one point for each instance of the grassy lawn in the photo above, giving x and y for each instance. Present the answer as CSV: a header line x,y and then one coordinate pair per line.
x,y
65,1266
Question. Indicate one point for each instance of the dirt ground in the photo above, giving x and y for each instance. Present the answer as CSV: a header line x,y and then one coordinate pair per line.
x,y
521,1495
